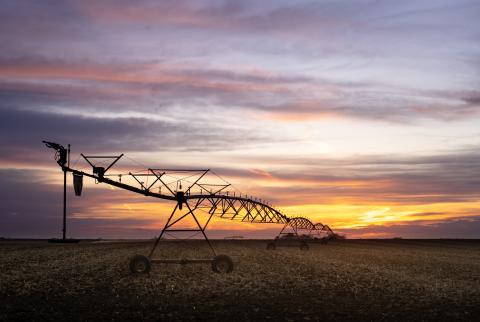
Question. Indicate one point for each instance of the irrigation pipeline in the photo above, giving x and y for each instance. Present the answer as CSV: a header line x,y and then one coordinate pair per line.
x,y
196,194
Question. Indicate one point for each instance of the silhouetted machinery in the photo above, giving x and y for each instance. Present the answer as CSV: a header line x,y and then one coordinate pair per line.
x,y
194,192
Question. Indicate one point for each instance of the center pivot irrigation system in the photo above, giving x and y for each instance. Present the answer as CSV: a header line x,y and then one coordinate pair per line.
x,y
194,192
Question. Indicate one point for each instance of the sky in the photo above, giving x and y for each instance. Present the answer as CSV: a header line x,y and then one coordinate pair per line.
x,y
363,115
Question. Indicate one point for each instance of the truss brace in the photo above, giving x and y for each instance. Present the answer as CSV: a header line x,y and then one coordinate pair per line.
x,y
191,189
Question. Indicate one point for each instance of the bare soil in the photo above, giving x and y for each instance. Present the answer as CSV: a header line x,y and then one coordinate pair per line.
x,y
353,280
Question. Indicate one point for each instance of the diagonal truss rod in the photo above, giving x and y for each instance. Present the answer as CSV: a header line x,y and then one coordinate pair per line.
x,y
237,208
214,202
225,206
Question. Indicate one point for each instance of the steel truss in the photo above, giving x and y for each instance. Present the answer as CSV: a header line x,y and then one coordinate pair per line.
x,y
193,189
298,231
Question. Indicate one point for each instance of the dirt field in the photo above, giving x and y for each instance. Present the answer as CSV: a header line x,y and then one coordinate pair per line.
x,y
349,280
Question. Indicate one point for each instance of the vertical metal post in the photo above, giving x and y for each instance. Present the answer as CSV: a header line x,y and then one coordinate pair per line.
x,y
64,203
64,230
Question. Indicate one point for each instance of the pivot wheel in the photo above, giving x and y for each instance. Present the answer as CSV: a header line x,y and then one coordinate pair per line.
x,y
271,246
304,246
139,264
222,264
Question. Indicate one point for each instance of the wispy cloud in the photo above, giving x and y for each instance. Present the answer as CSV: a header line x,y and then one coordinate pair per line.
x,y
358,110
144,86
22,131
453,228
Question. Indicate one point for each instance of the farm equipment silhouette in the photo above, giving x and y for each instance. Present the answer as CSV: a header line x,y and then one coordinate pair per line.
x,y
297,225
193,191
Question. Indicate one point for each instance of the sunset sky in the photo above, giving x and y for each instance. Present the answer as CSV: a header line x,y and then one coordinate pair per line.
x,y
364,115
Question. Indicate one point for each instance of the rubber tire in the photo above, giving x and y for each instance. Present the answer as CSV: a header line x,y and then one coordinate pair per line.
x,y
271,246
222,264
304,246
140,264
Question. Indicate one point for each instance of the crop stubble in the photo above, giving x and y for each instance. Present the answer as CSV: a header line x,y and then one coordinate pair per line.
x,y
349,280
